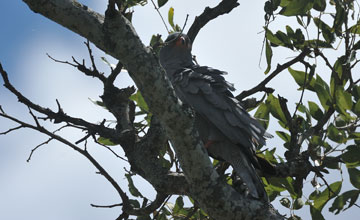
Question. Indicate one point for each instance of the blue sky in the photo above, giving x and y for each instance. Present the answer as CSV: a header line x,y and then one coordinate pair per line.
x,y
60,184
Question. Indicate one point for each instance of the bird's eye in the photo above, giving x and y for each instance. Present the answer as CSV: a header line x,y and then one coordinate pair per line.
x,y
181,41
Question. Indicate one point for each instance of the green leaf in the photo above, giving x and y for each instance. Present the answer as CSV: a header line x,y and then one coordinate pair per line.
x,y
355,29
343,100
341,200
140,101
273,39
298,204
316,214
165,163
269,156
268,53
111,65
161,3
356,109
106,141
271,193
335,135
315,111
133,190
317,44
323,92
319,5
297,7
340,18
356,92
299,77
341,121
275,108
354,177
134,203
352,156
338,66
328,35
96,102
286,137
262,114
284,39
171,17
279,184
320,199
356,46
299,38
331,163
289,31
285,202
179,204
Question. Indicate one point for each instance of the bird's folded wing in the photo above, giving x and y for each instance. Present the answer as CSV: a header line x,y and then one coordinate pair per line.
x,y
206,90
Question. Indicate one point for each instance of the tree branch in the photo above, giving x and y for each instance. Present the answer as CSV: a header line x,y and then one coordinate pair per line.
x,y
279,69
224,7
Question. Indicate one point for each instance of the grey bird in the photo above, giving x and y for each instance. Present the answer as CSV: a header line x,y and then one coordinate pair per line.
x,y
229,133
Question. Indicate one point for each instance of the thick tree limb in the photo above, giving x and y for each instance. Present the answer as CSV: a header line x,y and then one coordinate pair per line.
x,y
117,37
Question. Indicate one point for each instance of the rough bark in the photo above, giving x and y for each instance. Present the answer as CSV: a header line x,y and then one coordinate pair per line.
x,y
116,36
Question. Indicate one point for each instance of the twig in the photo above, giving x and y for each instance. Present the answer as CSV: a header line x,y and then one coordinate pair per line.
x,y
279,69
108,148
60,117
302,92
157,9
83,139
10,130
106,206
34,149
60,61
318,52
91,56
357,81
162,206
85,153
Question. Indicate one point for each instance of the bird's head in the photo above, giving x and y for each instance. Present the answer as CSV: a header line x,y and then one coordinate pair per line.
x,y
176,52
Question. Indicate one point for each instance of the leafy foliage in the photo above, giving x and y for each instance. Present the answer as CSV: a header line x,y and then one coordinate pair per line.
x,y
323,26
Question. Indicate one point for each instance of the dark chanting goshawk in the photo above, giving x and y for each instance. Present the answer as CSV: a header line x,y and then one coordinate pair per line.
x,y
229,133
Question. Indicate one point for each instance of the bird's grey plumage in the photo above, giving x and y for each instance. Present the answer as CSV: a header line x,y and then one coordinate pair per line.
x,y
219,116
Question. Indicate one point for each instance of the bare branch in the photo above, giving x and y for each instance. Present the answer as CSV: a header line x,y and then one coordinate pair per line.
x,y
85,153
106,206
60,116
34,149
157,9
279,69
10,130
224,7
114,73
158,202
108,148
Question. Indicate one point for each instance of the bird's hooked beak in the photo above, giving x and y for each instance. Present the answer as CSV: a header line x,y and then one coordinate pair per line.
x,y
183,42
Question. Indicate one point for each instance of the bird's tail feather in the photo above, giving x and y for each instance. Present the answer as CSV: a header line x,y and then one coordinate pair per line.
x,y
242,166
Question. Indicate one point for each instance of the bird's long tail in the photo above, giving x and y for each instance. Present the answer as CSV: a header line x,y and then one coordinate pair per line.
x,y
242,166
